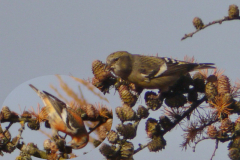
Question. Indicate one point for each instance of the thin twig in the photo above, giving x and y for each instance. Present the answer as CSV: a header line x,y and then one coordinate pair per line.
x,y
186,113
195,145
141,147
95,127
209,24
216,147
10,124
37,152
204,122
17,119
176,122
20,130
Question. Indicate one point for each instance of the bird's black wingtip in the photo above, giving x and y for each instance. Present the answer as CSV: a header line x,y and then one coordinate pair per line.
x,y
50,95
206,66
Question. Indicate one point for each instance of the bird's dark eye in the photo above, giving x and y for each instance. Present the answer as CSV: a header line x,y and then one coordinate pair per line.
x,y
115,59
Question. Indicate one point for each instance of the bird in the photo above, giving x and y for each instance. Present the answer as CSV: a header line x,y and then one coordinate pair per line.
x,y
150,72
62,118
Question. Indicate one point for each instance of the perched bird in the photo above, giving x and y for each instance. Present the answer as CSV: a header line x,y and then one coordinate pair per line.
x,y
63,118
150,72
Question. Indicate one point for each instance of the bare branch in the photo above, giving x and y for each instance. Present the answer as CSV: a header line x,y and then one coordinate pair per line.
x,y
209,24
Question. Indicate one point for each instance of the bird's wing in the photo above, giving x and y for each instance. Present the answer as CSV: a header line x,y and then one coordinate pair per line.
x,y
56,103
150,67
154,67
175,67
61,109
75,121
72,120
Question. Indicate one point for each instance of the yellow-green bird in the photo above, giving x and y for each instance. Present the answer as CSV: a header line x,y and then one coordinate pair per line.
x,y
150,72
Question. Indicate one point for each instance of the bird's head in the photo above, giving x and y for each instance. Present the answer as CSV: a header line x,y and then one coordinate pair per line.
x,y
119,62
79,142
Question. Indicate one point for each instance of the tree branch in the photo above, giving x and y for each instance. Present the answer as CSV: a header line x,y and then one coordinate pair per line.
x,y
209,24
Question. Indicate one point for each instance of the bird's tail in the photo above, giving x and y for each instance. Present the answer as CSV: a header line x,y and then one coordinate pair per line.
x,y
205,66
40,94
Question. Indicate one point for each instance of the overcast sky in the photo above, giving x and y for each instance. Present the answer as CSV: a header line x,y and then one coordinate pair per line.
x,y
39,38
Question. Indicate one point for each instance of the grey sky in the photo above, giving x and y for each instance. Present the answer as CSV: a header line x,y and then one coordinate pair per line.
x,y
40,38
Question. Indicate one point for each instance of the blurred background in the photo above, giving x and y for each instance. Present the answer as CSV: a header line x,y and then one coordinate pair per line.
x,y
63,37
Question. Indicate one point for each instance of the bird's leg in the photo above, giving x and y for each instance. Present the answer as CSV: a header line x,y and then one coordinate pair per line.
x,y
61,136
